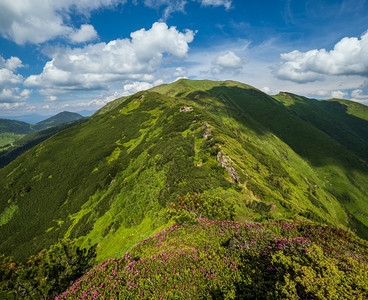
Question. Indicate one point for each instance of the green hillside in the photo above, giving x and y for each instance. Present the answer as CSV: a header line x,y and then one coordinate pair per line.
x,y
17,137
112,179
11,130
13,126
10,152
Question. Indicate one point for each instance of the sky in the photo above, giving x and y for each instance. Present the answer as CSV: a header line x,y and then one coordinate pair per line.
x,y
69,55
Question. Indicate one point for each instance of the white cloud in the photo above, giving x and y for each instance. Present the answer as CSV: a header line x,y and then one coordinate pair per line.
x,y
180,72
12,63
37,21
348,57
225,63
14,94
172,6
84,34
338,94
96,66
229,60
51,98
224,3
9,106
135,87
9,80
361,94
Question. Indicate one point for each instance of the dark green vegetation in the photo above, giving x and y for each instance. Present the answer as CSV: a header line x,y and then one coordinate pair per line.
x,y
46,273
17,137
220,150
11,130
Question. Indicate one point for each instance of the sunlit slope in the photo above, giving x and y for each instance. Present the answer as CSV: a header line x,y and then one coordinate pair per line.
x,y
113,179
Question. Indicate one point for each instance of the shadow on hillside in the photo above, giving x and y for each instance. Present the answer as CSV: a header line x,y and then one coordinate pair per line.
x,y
320,143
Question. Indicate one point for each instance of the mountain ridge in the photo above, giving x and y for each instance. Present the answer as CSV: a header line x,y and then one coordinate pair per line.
x,y
122,168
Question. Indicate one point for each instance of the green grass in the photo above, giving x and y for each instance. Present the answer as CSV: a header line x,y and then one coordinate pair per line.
x,y
7,139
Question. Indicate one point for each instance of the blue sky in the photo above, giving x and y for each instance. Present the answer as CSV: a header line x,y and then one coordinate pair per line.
x,y
78,55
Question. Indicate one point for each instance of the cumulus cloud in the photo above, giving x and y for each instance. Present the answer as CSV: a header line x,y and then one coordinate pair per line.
x,y
348,57
180,72
338,94
135,87
360,94
14,94
84,34
11,64
37,21
227,62
9,80
96,66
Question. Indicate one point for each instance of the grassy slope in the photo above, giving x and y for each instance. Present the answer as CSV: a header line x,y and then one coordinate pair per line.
x,y
121,169
11,130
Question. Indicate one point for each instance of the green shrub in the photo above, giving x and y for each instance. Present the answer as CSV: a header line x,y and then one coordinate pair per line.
x,y
45,274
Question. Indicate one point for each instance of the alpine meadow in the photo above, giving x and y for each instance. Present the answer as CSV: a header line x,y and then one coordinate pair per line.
x,y
196,189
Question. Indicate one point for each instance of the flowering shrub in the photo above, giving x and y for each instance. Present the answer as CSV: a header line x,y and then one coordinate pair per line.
x,y
191,207
225,259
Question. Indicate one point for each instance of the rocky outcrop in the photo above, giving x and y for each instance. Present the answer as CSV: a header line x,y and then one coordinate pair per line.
x,y
185,108
208,131
227,163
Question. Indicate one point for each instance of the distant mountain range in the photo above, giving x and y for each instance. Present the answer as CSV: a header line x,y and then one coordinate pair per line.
x,y
17,136
36,118
190,150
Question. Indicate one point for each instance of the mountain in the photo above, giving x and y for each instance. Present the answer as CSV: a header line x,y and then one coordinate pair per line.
x,y
206,188
13,126
22,143
58,119
113,179
16,137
